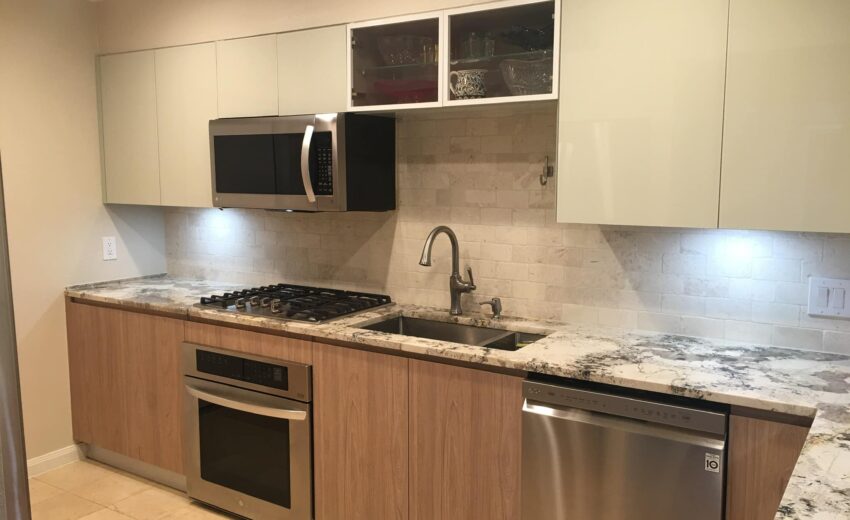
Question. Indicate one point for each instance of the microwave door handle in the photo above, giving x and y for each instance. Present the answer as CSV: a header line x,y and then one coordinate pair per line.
x,y
305,163
243,406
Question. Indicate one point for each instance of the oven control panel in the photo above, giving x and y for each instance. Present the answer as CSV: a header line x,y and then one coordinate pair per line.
x,y
241,369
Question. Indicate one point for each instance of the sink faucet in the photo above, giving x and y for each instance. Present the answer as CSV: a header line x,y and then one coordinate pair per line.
x,y
457,285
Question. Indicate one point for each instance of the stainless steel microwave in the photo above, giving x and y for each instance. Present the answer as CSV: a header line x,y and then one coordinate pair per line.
x,y
322,162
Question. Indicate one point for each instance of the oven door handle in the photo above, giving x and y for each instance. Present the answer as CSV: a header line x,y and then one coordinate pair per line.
x,y
305,163
246,406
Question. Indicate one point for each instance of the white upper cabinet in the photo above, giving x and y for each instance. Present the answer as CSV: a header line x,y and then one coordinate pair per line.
x,y
641,111
186,97
786,152
247,77
129,128
311,71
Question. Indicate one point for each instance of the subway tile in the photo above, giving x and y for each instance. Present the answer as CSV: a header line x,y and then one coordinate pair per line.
x,y
684,264
619,318
657,322
702,327
513,199
795,337
748,332
779,269
837,342
794,293
681,304
727,308
776,313
580,314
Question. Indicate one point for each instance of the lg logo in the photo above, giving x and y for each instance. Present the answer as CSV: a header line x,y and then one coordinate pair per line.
x,y
712,462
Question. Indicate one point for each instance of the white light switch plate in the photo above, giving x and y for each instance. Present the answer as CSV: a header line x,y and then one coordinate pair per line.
x,y
828,297
110,249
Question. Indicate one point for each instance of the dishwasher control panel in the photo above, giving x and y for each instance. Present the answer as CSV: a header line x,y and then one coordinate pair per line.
x,y
634,408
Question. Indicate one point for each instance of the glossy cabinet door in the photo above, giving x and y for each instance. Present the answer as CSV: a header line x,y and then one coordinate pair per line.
x,y
641,111
360,429
465,443
129,128
311,71
247,77
786,145
187,100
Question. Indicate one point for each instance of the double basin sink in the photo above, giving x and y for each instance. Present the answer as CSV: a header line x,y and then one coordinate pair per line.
x,y
455,332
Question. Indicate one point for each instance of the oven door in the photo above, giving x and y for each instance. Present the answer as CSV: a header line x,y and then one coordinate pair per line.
x,y
248,452
286,163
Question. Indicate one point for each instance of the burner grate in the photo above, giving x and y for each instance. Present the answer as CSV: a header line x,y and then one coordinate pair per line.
x,y
295,302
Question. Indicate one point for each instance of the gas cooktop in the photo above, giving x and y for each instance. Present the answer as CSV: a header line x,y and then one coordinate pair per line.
x,y
295,302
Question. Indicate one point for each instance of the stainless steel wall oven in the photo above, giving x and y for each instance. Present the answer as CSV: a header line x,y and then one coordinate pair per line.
x,y
248,433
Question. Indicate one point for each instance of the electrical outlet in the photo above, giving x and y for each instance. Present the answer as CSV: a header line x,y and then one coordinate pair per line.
x,y
110,248
828,297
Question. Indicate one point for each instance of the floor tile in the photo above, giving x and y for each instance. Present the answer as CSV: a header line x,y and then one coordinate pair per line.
x,y
39,491
63,507
106,514
74,475
111,489
196,512
152,504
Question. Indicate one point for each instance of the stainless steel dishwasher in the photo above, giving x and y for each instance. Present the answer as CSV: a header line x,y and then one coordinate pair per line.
x,y
593,455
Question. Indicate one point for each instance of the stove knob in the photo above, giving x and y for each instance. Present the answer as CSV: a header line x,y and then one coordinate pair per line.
x,y
264,301
240,303
275,305
254,300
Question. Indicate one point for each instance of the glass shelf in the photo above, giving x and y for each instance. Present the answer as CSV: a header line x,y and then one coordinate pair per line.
x,y
525,55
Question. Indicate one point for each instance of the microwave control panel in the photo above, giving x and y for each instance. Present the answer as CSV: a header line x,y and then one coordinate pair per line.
x,y
324,171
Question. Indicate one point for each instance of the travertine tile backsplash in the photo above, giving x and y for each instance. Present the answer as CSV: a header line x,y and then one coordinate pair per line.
x,y
477,171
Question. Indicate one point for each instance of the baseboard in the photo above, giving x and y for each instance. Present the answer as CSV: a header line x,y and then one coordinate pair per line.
x,y
54,459
136,467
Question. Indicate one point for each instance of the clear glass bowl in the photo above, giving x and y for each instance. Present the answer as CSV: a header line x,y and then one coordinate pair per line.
x,y
527,77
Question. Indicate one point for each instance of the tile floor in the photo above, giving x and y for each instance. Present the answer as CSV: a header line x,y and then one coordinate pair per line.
x,y
87,490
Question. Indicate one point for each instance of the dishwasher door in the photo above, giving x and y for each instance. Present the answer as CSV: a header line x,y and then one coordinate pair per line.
x,y
595,456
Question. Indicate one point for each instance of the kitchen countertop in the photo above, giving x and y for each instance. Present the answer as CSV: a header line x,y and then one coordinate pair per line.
x,y
797,382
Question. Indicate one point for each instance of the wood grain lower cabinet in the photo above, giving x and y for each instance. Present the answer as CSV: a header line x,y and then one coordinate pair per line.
x,y
360,429
126,383
465,442
761,459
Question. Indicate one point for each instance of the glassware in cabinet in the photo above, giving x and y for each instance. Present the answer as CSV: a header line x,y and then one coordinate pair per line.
x,y
395,63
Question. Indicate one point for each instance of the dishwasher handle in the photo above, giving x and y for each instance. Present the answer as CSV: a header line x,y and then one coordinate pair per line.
x,y
638,408
602,420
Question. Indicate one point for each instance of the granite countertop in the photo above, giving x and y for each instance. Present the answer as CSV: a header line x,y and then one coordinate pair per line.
x,y
797,382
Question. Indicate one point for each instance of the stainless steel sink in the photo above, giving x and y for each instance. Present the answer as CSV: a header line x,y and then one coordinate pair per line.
x,y
455,332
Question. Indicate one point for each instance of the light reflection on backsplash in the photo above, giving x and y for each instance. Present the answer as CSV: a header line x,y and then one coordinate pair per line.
x,y
477,171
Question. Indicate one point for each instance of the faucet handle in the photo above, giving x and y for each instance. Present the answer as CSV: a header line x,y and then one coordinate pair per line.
x,y
471,279
496,305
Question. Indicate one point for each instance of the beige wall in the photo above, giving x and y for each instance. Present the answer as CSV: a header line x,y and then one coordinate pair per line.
x,y
51,168
132,24
477,171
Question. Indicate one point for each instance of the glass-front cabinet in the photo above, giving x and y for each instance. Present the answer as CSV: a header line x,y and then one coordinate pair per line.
x,y
487,53
396,62
500,51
